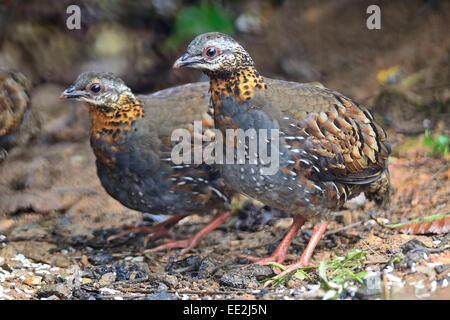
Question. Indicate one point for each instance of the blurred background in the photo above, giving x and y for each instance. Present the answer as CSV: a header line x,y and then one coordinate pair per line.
x,y
324,41
48,183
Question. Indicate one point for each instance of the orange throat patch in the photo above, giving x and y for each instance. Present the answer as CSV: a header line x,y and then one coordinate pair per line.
x,y
241,84
111,121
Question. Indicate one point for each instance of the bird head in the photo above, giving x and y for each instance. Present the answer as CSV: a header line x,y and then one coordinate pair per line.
x,y
214,52
97,89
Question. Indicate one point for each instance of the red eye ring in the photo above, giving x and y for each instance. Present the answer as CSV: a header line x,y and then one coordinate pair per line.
x,y
211,52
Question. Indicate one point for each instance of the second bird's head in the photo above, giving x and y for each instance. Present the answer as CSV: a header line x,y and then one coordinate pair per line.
x,y
98,89
214,52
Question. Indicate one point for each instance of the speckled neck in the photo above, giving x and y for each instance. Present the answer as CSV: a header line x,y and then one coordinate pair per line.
x,y
241,82
110,121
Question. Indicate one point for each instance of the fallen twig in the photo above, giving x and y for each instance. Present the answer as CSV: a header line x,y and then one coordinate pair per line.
x,y
437,223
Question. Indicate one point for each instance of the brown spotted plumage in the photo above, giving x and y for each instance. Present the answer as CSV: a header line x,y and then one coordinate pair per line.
x,y
18,122
329,147
131,138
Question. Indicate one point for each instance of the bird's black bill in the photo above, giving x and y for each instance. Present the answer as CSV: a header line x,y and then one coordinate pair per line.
x,y
185,60
71,93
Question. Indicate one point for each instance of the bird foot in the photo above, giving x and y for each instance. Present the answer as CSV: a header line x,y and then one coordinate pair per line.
x,y
152,233
189,244
287,270
318,231
291,268
186,244
280,253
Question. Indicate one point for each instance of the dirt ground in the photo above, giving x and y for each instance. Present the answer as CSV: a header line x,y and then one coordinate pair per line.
x,y
55,217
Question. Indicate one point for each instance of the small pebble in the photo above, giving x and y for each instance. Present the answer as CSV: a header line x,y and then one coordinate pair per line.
x,y
138,259
33,280
42,272
60,290
433,286
86,280
393,278
107,278
101,259
108,291
52,297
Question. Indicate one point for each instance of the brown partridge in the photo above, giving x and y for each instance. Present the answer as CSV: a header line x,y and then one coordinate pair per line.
x,y
328,149
18,122
131,139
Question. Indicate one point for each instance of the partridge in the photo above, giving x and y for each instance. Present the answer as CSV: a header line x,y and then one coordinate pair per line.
x,y
329,148
18,122
131,139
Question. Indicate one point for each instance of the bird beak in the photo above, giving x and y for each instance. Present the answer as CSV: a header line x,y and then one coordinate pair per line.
x,y
185,60
71,93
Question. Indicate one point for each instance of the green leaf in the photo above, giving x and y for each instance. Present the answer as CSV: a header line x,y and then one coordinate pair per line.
x,y
323,266
427,141
274,264
194,20
301,274
440,145
359,276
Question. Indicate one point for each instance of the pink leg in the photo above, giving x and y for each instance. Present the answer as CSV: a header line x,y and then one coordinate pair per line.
x,y
318,231
153,232
279,254
190,243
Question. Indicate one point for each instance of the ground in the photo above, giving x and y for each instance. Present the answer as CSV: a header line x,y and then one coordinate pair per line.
x,y
55,217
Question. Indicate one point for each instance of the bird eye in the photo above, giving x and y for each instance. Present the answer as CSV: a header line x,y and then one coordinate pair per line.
x,y
95,87
211,52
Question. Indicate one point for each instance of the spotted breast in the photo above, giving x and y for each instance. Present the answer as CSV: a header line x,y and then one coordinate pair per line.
x,y
131,138
326,148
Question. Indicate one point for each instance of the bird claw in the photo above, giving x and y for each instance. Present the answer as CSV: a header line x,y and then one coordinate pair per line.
x,y
158,234
153,233
189,244
257,260
289,269
186,244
